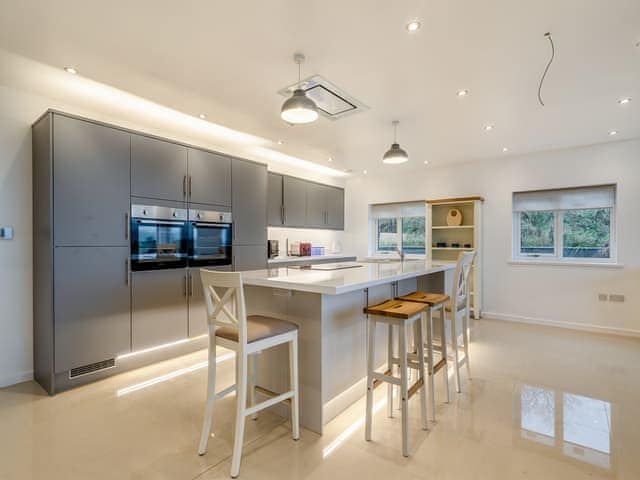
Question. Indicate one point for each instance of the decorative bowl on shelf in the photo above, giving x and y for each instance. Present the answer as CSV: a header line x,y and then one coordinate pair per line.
x,y
455,245
441,244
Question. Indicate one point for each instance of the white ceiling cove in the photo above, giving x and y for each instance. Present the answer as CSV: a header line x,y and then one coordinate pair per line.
x,y
235,56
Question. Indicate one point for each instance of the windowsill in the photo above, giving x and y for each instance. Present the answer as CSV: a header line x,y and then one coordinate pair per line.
x,y
558,263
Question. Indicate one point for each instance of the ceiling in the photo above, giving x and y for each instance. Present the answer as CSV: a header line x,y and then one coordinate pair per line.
x,y
229,59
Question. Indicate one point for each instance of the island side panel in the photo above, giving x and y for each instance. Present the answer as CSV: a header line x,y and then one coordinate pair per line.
x,y
303,309
344,349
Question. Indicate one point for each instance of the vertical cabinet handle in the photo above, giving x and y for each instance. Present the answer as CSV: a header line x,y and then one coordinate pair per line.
x,y
184,186
184,285
127,267
189,186
284,215
190,285
126,226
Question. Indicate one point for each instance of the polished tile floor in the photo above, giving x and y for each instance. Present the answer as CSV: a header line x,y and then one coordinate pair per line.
x,y
544,403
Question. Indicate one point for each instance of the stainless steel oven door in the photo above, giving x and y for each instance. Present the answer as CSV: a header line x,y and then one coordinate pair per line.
x,y
209,238
158,237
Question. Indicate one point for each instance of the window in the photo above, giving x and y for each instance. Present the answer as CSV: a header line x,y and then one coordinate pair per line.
x,y
399,226
565,224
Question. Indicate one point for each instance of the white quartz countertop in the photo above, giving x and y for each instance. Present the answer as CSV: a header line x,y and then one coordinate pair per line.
x,y
336,282
311,259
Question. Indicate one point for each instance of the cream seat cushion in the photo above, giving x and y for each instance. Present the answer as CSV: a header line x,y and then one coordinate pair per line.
x,y
258,328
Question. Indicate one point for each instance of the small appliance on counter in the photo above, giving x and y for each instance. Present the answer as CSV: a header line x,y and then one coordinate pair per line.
x,y
299,249
317,251
273,248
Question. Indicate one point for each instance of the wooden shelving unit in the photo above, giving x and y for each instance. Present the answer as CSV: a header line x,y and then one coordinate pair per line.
x,y
468,233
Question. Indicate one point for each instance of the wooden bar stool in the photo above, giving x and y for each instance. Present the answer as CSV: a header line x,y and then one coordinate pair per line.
x,y
454,309
435,301
400,314
247,335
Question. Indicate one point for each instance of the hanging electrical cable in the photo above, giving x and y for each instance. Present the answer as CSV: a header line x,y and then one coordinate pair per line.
x,y
546,70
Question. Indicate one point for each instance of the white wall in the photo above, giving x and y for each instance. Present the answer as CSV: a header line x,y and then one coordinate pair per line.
x,y
565,294
27,89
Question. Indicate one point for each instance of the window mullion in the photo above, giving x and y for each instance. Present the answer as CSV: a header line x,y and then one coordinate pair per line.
x,y
560,233
399,233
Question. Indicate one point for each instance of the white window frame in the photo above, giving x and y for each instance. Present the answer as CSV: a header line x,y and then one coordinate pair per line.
x,y
374,236
558,246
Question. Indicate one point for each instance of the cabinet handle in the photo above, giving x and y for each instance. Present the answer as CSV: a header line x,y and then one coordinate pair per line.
x,y
190,285
127,266
284,215
184,285
126,226
184,186
189,186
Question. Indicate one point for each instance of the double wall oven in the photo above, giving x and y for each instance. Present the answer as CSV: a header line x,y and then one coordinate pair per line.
x,y
166,237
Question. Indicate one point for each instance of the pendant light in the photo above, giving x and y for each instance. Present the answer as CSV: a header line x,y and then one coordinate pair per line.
x,y
395,154
299,108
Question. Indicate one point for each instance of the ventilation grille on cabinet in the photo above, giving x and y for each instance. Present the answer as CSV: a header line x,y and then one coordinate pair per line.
x,y
332,101
92,368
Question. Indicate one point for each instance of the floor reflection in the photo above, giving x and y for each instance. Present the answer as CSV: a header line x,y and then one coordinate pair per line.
x,y
574,426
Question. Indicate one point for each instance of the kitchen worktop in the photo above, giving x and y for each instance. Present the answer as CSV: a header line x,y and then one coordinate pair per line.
x,y
336,282
310,259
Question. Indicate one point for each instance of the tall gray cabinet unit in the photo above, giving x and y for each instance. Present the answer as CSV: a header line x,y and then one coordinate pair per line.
x,y
81,189
249,207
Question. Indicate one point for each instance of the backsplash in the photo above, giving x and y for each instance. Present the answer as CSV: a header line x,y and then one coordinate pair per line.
x,y
330,239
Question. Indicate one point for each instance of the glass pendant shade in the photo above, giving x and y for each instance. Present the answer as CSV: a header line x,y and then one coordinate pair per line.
x,y
299,108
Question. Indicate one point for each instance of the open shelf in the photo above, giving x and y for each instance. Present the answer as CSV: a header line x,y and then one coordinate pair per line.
x,y
453,248
451,227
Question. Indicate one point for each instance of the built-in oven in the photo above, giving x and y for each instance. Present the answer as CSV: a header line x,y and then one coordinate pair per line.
x,y
159,237
209,238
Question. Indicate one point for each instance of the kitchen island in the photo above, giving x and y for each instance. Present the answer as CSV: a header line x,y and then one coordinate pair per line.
x,y
327,305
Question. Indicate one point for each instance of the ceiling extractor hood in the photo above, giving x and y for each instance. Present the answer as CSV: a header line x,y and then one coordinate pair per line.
x,y
332,102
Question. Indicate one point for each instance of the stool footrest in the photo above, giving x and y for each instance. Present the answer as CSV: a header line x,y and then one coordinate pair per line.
x,y
415,387
378,378
268,403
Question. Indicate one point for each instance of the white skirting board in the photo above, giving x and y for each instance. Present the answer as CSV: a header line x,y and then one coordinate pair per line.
x,y
9,380
584,327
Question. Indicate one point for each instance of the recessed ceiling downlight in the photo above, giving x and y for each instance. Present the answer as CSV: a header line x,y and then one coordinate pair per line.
x,y
202,116
488,128
70,70
395,154
299,109
462,93
413,26
624,101
613,133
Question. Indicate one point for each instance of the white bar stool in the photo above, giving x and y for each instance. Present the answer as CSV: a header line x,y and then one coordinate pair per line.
x,y
246,335
400,314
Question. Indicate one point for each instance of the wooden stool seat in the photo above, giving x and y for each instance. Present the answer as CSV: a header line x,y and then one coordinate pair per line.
x,y
396,309
433,299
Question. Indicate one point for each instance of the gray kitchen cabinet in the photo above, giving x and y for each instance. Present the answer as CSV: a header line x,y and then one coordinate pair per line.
x,y
90,183
294,196
158,169
316,214
274,200
249,257
249,202
209,179
92,316
159,307
335,208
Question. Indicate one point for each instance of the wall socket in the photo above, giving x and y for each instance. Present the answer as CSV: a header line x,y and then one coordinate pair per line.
x,y
6,233
613,297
